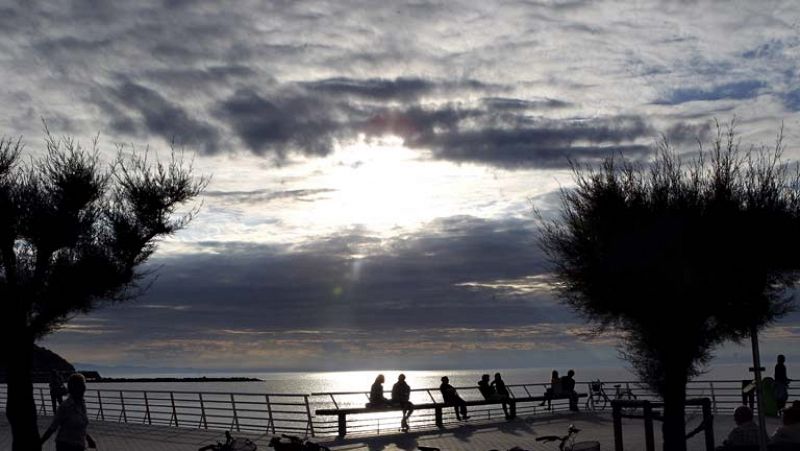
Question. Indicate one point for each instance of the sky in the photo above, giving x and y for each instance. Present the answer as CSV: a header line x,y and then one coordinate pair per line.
x,y
375,165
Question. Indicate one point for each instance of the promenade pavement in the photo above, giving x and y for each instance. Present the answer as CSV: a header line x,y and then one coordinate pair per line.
x,y
521,432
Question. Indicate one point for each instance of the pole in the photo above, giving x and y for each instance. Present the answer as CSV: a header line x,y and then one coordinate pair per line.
x,y
762,426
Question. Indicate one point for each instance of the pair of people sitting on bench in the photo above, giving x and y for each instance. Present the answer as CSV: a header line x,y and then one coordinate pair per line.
x,y
496,391
562,387
401,393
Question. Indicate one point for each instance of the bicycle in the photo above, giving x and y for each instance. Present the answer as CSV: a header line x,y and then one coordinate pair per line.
x,y
295,444
572,432
596,391
231,444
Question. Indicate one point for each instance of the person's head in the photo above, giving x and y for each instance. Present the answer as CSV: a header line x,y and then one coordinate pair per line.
x,y
555,374
485,378
742,415
401,377
781,358
445,380
76,386
497,376
570,373
379,379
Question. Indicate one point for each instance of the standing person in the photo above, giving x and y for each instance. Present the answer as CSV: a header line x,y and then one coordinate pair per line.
x,y
71,420
57,390
401,393
502,392
376,398
568,388
781,382
450,396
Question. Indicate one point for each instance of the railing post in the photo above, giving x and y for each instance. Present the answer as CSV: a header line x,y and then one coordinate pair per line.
x,y
333,400
146,409
649,439
713,397
235,416
100,403
431,396
308,412
175,412
203,419
270,422
44,408
708,429
123,415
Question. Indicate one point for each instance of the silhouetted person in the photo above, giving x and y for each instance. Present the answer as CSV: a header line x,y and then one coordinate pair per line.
x,y
401,393
450,396
746,431
497,389
71,419
568,388
781,382
554,390
789,433
57,390
376,398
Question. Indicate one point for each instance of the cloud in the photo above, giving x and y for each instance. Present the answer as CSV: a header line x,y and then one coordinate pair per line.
x,y
738,90
264,195
134,108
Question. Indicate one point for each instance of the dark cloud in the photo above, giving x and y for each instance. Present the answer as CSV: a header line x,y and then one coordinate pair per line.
x,y
792,100
133,108
263,195
739,90
309,118
440,277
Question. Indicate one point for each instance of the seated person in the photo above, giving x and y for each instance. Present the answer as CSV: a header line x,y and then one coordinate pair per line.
x,y
746,431
789,433
554,390
401,393
490,394
376,398
451,398
568,388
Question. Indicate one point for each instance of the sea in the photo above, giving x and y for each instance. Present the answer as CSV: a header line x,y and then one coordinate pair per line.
x,y
360,381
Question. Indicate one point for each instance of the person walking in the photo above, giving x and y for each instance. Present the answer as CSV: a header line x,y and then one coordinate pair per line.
x,y
401,393
71,419
450,397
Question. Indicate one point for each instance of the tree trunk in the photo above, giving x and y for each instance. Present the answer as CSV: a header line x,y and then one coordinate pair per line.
x,y
674,428
20,408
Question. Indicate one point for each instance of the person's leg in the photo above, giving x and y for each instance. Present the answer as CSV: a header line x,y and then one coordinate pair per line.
x,y
55,406
463,406
456,410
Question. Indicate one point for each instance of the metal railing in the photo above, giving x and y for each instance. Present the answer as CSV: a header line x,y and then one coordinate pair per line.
x,y
275,413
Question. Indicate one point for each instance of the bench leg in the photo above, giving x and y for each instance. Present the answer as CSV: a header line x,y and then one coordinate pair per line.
x,y
512,410
438,413
342,425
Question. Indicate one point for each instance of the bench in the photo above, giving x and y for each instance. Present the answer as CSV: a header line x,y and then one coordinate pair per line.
x,y
342,413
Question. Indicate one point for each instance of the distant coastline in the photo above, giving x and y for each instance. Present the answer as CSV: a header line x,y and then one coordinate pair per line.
x,y
174,379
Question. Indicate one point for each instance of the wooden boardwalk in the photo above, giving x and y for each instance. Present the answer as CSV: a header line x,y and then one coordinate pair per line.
x,y
521,432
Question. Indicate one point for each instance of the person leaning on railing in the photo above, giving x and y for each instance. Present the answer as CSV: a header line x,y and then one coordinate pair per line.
x,y
71,419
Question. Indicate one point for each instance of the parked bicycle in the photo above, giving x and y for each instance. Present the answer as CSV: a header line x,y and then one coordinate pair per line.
x,y
231,444
567,442
295,443
598,399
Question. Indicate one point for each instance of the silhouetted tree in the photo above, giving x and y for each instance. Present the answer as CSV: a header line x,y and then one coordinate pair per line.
x,y
679,258
73,233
